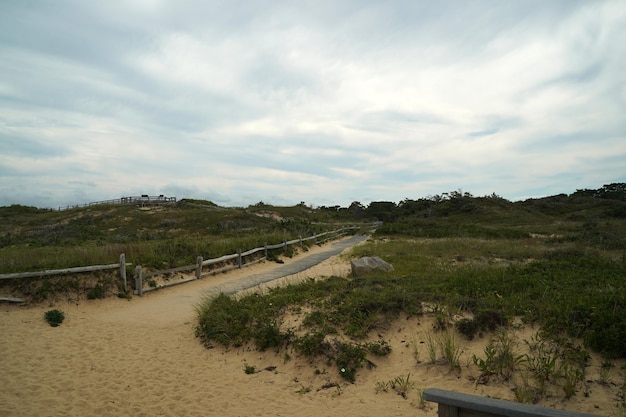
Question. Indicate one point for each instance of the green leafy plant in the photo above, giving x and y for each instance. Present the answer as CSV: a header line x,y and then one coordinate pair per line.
x,y
54,317
500,357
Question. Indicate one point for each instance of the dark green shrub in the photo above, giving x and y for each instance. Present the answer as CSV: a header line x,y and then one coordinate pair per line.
x,y
269,335
312,344
54,317
467,327
96,292
379,348
490,319
349,359
225,321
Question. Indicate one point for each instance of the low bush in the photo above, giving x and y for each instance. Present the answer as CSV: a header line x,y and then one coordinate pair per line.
x,y
54,317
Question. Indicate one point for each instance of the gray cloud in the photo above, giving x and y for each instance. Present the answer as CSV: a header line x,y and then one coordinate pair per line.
x,y
326,102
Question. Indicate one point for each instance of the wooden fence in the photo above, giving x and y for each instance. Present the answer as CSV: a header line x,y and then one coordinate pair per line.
x,y
236,261
232,261
456,404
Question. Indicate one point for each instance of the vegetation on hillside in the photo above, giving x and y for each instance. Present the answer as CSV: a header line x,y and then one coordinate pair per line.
x,y
557,262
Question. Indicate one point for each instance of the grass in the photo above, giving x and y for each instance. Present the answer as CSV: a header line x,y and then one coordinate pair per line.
x,y
401,385
552,275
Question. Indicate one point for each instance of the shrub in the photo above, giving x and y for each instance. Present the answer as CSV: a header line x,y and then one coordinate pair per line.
x,y
312,344
349,359
54,317
96,292
269,335
467,327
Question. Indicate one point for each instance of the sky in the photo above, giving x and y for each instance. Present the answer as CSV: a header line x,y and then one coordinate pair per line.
x,y
322,102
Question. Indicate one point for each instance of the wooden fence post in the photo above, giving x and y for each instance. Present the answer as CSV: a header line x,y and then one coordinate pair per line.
x,y
265,248
199,267
139,280
123,271
300,237
239,258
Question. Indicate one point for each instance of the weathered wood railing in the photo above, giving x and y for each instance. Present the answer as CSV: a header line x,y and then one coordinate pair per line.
x,y
200,264
141,200
92,268
238,257
80,269
456,404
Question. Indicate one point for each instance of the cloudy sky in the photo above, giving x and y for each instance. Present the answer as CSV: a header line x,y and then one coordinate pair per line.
x,y
325,102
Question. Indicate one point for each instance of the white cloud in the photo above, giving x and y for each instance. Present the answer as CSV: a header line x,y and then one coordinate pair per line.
x,y
324,102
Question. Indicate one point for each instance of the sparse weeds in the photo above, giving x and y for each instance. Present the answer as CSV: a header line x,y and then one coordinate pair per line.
x,y
421,401
401,385
606,370
450,349
414,344
431,347
443,348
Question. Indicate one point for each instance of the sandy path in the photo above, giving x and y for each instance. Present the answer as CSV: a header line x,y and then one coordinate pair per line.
x,y
140,358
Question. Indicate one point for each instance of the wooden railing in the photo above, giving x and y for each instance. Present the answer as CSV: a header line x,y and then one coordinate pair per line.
x,y
456,404
140,200
200,266
236,261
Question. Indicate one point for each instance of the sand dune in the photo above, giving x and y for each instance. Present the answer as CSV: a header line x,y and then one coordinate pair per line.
x,y
117,357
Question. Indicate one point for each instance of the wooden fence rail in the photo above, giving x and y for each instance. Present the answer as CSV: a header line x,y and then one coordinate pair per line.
x,y
456,404
122,264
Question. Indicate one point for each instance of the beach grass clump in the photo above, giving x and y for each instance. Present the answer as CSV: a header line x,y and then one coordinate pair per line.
x,y
401,385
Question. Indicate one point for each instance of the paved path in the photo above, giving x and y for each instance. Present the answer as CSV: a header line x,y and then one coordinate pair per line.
x,y
292,268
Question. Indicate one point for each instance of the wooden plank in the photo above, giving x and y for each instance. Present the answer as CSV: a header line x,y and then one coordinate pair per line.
x,y
49,272
445,410
280,245
168,284
474,405
220,259
251,251
11,299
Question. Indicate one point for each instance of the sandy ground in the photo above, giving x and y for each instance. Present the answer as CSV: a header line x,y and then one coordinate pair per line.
x,y
117,357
